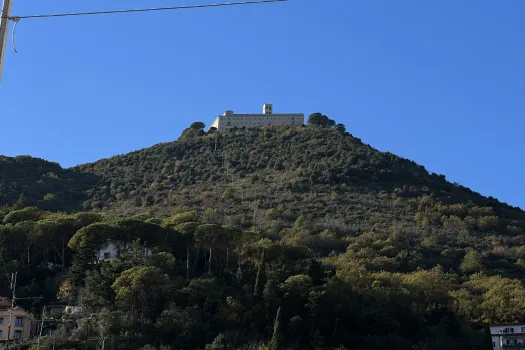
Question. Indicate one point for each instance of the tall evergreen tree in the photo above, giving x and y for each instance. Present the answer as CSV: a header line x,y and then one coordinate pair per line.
x,y
275,343
260,280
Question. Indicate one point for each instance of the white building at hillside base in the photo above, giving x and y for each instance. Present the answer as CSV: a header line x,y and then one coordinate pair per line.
x,y
112,249
508,336
231,120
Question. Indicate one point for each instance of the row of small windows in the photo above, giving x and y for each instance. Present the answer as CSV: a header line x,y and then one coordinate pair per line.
x,y
263,118
251,123
18,322
247,123
511,330
18,335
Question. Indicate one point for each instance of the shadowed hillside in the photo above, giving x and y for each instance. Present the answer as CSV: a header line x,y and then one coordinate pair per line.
x,y
31,181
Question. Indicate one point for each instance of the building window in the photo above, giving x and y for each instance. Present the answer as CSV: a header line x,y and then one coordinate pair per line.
x,y
509,330
18,335
522,329
1,321
18,322
493,344
1,335
107,255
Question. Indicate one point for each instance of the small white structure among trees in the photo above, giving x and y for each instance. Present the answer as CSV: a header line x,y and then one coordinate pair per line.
x,y
111,249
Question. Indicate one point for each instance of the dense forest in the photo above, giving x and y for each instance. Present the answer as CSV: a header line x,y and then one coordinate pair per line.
x,y
265,238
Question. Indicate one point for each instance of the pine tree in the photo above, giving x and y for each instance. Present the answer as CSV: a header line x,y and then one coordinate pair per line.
x,y
239,275
220,342
275,343
270,292
260,280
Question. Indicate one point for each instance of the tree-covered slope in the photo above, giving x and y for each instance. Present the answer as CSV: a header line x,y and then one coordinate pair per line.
x,y
31,181
257,176
323,174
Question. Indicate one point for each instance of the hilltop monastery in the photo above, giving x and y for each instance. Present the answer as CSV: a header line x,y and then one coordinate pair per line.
x,y
231,120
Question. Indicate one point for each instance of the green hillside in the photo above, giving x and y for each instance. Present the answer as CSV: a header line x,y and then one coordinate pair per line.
x,y
31,181
322,173
267,238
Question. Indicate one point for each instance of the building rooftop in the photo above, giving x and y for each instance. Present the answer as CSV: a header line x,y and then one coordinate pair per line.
x,y
267,110
260,114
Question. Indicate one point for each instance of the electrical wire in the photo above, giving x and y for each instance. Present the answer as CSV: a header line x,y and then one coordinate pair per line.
x,y
16,20
145,9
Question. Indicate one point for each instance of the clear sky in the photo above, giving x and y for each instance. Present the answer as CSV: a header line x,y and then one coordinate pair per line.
x,y
439,82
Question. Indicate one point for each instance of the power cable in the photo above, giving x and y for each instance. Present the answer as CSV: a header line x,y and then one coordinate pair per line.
x,y
17,18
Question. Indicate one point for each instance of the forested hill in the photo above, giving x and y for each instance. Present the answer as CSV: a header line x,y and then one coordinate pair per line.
x,y
247,176
323,174
267,238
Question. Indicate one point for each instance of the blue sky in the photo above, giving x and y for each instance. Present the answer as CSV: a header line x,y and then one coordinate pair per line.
x,y
439,82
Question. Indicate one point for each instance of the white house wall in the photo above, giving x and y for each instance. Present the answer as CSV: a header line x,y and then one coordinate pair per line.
x,y
110,248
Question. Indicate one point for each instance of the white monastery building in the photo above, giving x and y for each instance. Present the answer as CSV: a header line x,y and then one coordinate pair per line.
x,y
231,120
112,249
508,336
